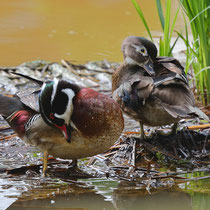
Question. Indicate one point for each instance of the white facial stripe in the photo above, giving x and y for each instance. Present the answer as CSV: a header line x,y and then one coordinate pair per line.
x,y
55,84
69,107
43,87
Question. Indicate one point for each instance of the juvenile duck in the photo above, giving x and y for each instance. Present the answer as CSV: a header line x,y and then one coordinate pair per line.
x,y
63,119
152,90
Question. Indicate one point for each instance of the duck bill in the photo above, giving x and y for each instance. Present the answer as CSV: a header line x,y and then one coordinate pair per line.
x,y
149,67
66,130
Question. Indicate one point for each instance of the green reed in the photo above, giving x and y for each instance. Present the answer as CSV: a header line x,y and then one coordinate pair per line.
x,y
197,52
198,13
165,47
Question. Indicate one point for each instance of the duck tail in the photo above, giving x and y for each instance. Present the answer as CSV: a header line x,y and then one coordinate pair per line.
x,y
201,114
9,105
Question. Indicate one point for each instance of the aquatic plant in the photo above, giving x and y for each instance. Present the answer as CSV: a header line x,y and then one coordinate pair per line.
x,y
198,53
165,47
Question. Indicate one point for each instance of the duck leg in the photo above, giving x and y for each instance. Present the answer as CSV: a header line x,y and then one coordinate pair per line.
x,y
45,160
174,128
172,132
142,135
74,164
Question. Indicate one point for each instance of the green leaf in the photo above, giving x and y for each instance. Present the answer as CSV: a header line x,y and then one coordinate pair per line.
x,y
198,13
160,13
141,15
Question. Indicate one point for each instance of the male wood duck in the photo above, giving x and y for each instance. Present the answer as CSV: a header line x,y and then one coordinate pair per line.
x,y
152,90
63,119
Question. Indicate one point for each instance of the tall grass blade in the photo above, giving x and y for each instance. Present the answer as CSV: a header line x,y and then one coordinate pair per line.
x,y
167,27
160,13
172,47
172,29
198,13
141,15
164,46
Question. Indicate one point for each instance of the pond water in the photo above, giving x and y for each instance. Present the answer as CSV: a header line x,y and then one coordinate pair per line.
x,y
103,194
79,31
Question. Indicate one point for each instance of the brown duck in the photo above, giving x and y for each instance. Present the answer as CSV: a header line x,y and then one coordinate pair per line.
x,y
152,90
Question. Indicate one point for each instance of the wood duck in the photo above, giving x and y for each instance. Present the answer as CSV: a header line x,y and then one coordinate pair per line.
x,y
63,119
152,90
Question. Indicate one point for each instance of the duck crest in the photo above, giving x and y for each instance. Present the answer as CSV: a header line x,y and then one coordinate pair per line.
x,y
69,106
56,98
44,101
56,104
55,85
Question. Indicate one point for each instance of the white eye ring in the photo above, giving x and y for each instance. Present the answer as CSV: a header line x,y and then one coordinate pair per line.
x,y
140,49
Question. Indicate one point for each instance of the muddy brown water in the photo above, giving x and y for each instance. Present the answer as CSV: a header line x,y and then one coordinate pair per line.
x,y
67,29
100,194
81,31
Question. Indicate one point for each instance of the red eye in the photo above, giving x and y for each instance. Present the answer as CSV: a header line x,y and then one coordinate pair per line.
x,y
51,116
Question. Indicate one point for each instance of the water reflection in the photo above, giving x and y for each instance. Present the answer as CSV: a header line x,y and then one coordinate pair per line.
x,y
88,194
200,201
103,194
134,199
124,198
72,202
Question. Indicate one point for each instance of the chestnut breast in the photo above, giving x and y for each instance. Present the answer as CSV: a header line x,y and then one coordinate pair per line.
x,y
95,113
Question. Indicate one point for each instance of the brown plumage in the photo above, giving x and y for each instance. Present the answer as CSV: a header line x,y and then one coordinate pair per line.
x,y
154,99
